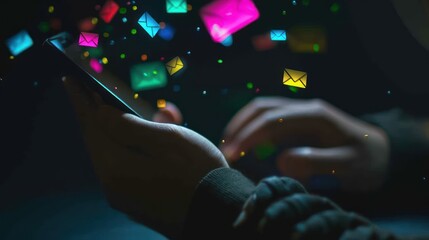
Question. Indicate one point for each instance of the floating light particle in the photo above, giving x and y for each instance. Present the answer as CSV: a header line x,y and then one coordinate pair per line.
x,y
249,85
112,42
86,54
220,61
44,27
189,53
122,10
333,171
161,103
242,154
294,2
122,56
35,83
104,60
389,92
198,29
124,20
143,57
106,34
257,90
185,124
136,95
162,25
176,88
189,7
424,178
51,9
154,72
335,7
316,47
365,136
116,88
128,3
11,57
204,92
94,20
280,120
124,38
223,141
134,8
97,7
162,58
133,31
284,12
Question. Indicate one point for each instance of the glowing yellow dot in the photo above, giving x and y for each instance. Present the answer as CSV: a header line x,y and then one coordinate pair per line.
x,y
136,95
280,120
161,103
106,34
223,141
144,57
242,153
366,135
86,54
333,171
134,8
11,57
94,20
51,9
105,60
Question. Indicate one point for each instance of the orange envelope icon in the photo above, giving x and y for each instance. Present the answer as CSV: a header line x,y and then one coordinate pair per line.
x,y
174,65
295,78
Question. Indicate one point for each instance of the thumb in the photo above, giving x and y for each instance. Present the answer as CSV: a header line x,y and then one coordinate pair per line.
x,y
305,162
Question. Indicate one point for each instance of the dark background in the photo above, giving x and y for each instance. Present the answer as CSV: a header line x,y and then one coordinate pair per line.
x,y
44,167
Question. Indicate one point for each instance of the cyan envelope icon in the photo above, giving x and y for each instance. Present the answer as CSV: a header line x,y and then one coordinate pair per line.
x,y
278,35
149,24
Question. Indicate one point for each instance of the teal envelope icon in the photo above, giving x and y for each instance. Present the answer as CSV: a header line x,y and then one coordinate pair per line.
x,y
149,24
278,35
147,76
176,6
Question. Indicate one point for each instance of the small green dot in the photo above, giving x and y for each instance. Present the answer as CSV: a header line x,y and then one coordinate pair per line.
x,y
133,31
122,10
316,47
293,89
219,61
249,85
122,56
155,72
284,12
335,7
306,2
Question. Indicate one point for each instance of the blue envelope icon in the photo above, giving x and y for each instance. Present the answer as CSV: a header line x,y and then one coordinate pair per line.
x,y
19,42
149,24
176,6
278,35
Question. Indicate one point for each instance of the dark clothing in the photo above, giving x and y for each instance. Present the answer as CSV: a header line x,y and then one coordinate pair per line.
x,y
277,208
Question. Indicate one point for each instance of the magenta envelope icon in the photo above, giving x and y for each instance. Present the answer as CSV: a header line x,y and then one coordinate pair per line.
x,y
225,17
88,39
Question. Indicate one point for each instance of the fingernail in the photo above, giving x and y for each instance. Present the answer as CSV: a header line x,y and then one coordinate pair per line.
x,y
247,210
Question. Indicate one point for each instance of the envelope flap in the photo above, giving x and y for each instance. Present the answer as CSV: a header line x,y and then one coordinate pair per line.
x,y
176,3
295,75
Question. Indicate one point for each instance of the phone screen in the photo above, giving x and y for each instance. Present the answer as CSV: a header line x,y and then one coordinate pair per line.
x,y
110,84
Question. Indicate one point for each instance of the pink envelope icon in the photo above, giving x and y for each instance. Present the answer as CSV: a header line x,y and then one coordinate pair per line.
x,y
225,17
88,39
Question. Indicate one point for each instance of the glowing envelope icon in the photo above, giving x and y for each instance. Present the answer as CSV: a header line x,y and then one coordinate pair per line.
x,y
222,18
19,43
149,24
88,39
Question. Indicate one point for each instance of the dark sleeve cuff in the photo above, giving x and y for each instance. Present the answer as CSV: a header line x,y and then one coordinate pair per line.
x,y
217,202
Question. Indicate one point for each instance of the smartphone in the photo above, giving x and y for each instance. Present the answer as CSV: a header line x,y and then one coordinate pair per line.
x,y
66,55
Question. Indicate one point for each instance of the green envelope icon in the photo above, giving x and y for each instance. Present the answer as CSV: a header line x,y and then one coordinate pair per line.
x,y
147,76
176,6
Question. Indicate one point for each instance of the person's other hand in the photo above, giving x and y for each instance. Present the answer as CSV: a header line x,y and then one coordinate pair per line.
x,y
320,140
148,170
